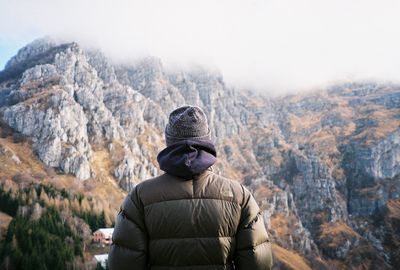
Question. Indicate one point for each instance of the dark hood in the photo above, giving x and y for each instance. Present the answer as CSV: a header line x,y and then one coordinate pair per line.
x,y
187,158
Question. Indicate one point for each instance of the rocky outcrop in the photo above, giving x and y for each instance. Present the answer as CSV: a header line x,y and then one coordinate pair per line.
x,y
58,131
373,173
315,191
281,217
67,109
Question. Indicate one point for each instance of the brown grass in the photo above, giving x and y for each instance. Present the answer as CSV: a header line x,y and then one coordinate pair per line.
x,y
394,208
370,193
4,221
103,190
324,141
350,129
283,226
241,161
289,258
263,192
49,82
101,163
387,122
117,152
305,122
337,233
29,162
279,224
153,141
40,99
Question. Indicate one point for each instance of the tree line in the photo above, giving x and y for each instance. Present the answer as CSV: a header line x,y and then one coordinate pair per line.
x,y
48,242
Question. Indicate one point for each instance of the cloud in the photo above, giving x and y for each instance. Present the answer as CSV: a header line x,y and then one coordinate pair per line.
x,y
271,45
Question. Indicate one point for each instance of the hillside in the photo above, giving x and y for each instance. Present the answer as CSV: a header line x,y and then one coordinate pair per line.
x,y
323,165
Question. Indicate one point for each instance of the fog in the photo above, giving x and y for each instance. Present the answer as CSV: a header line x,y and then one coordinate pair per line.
x,y
272,46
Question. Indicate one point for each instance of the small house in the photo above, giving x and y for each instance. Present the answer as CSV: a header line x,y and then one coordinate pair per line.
x,y
103,235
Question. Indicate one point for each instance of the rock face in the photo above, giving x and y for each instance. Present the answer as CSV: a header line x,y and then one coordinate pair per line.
x,y
322,165
58,130
373,174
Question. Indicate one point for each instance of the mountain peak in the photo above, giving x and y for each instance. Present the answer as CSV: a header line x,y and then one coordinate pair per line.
x,y
40,51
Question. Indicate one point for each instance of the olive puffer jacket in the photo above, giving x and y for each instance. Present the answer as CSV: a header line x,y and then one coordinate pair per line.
x,y
207,222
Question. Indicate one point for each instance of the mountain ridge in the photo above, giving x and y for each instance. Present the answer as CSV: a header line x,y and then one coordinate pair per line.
x,y
320,164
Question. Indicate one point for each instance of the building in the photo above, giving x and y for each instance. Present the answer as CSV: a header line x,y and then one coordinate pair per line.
x,y
103,235
102,259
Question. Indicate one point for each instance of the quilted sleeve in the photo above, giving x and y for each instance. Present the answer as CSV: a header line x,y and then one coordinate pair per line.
x,y
129,247
253,249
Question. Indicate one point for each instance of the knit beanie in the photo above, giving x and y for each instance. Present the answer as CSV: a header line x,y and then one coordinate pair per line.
x,y
187,122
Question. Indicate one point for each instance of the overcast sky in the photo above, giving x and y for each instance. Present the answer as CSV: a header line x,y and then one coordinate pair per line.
x,y
271,45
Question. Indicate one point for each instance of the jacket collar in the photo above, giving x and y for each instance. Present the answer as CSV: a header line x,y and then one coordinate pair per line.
x,y
187,158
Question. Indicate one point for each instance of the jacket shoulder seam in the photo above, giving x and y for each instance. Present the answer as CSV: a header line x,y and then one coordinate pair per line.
x,y
185,238
256,245
192,198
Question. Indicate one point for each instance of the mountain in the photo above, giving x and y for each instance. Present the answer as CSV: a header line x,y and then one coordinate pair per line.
x,y
324,165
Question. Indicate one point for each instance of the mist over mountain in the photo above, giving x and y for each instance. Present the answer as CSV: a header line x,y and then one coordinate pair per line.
x,y
274,46
324,165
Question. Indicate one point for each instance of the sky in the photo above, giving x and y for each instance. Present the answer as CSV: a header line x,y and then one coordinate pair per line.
x,y
274,46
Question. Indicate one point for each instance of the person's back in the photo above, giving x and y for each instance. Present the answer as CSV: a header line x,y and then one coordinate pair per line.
x,y
189,217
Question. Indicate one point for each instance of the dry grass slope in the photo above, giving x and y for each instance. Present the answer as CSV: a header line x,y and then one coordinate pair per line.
x,y
337,233
289,259
19,166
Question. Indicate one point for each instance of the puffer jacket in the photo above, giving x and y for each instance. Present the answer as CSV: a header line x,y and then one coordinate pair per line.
x,y
200,222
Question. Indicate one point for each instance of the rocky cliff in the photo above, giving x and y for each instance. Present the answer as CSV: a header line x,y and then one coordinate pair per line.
x,y
323,165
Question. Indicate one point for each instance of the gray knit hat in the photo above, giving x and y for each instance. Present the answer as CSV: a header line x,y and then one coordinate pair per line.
x,y
187,122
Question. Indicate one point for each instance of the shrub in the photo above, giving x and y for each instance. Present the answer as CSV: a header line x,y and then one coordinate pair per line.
x,y
22,178
19,138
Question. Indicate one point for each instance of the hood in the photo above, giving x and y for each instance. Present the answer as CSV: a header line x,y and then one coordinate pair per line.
x,y
187,158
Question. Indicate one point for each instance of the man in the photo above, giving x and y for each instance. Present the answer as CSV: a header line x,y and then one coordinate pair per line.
x,y
189,217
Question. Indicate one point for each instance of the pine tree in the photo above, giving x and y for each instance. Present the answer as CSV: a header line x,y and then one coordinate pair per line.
x,y
44,198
